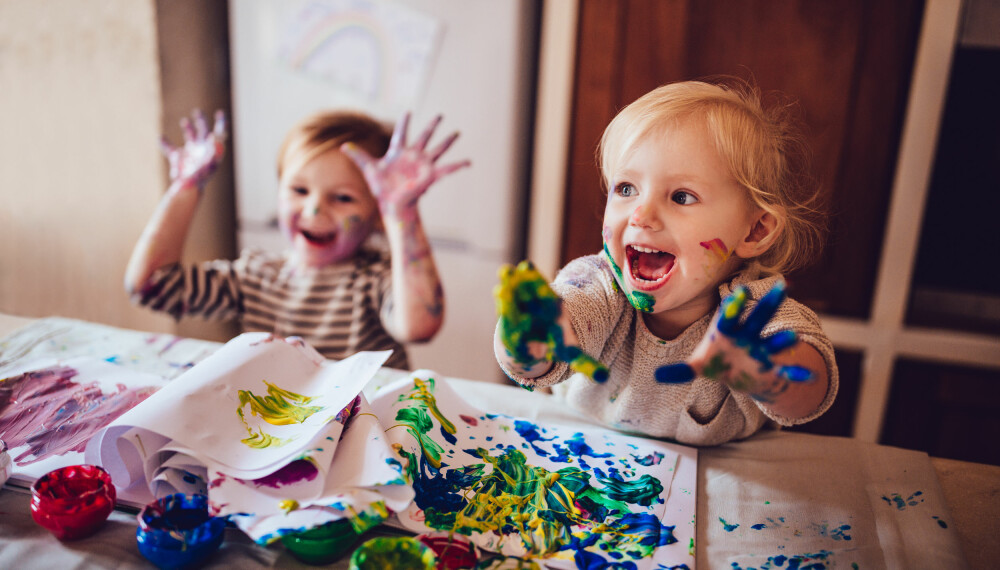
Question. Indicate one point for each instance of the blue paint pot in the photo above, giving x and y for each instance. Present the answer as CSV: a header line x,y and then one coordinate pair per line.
x,y
177,531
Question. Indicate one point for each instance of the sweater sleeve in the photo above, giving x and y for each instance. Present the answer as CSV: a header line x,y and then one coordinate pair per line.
x,y
209,289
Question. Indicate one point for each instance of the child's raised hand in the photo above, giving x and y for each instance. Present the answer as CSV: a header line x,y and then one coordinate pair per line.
x,y
192,165
529,311
400,178
737,354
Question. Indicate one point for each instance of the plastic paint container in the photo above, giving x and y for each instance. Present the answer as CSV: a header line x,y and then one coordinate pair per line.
x,y
396,552
73,502
322,544
6,465
454,551
176,531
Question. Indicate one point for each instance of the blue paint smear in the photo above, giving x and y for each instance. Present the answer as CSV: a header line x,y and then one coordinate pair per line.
x,y
727,526
897,500
816,561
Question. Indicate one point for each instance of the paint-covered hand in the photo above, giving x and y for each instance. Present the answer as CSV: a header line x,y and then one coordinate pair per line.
x,y
192,164
401,177
737,355
529,312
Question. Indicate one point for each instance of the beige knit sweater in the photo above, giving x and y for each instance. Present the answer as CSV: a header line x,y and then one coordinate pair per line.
x,y
702,412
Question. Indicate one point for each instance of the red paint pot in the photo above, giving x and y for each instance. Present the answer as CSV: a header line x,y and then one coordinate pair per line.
x,y
73,502
454,551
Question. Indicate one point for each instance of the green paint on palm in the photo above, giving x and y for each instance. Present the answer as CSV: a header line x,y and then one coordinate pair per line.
x,y
529,310
716,368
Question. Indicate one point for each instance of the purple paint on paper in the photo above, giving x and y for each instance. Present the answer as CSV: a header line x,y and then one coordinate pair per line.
x,y
295,472
53,415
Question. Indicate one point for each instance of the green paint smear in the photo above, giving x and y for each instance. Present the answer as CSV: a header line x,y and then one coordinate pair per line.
x,y
538,506
279,407
642,302
716,368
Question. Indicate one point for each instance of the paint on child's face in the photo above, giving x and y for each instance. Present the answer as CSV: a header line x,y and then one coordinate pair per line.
x,y
673,218
326,210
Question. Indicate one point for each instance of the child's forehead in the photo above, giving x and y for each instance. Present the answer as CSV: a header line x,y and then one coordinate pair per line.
x,y
657,133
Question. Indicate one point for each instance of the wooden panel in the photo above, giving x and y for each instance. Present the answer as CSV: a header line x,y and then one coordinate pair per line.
x,y
847,64
948,411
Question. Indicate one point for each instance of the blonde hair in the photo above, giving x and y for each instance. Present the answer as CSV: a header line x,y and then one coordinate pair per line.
x,y
763,148
327,130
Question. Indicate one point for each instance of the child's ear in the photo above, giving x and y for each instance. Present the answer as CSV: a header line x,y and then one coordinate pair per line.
x,y
763,231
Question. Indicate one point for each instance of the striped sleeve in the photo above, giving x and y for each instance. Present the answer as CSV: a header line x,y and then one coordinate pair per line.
x,y
209,289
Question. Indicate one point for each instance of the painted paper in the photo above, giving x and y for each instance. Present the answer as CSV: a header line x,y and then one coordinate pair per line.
x,y
48,414
569,496
256,427
380,51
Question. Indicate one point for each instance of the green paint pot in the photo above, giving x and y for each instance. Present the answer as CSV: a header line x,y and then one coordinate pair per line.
x,y
322,544
396,552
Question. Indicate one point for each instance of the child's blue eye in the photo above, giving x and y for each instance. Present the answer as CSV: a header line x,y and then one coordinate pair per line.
x,y
343,198
684,198
300,190
625,190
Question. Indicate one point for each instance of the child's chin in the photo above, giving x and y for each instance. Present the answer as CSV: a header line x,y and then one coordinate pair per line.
x,y
313,257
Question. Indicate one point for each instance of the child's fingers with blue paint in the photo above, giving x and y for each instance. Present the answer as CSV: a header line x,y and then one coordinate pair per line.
x,y
763,311
795,373
577,359
679,373
730,311
780,341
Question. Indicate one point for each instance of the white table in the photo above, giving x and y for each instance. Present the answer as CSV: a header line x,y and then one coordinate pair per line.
x,y
753,483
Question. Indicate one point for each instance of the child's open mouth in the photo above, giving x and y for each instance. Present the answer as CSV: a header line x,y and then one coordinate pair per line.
x,y
649,268
318,238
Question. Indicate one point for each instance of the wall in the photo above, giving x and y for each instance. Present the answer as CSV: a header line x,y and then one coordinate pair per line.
x,y
81,110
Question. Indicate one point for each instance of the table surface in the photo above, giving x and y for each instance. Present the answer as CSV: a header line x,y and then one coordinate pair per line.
x,y
971,493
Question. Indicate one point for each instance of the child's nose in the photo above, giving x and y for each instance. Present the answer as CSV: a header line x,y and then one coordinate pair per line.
x,y
643,217
313,207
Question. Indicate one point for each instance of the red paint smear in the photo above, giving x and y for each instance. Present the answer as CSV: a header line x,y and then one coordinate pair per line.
x,y
53,415
720,246
468,419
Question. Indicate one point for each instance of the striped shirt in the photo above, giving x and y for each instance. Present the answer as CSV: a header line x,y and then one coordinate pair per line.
x,y
339,309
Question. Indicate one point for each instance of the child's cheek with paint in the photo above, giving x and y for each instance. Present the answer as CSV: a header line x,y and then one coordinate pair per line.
x,y
716,256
